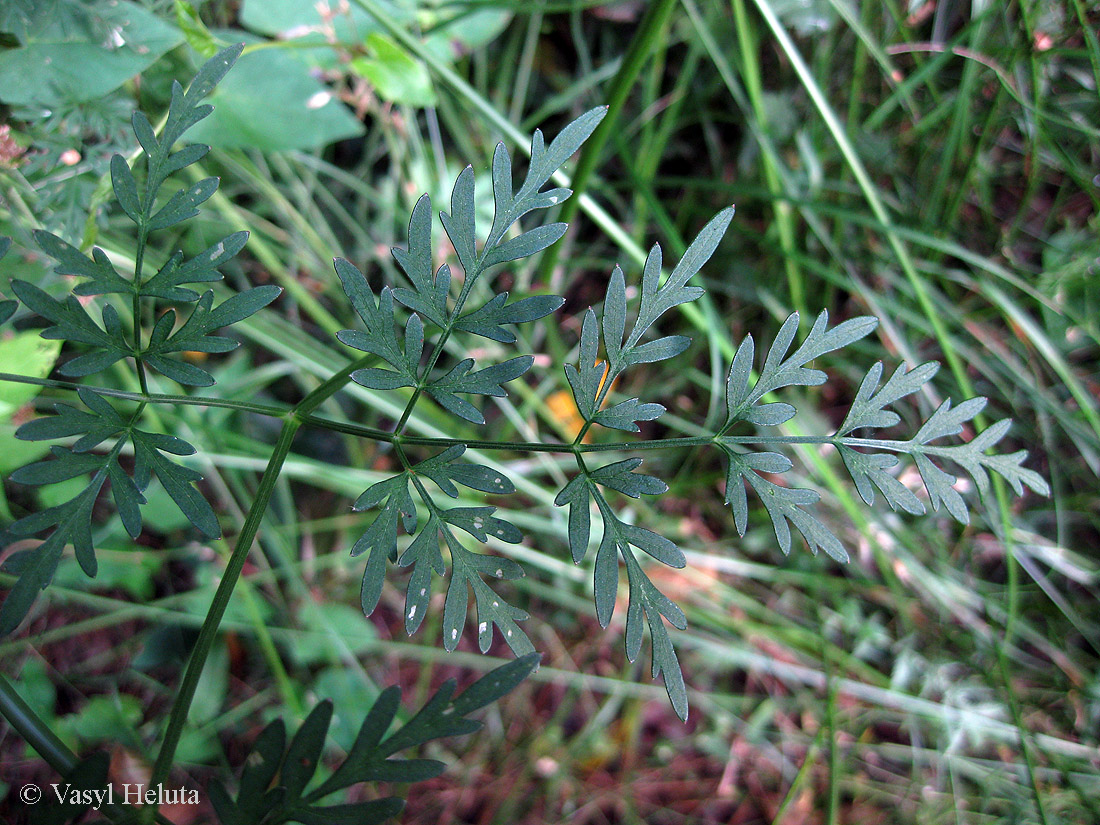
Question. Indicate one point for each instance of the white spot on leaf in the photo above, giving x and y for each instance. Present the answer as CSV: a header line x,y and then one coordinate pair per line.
x,y
318,99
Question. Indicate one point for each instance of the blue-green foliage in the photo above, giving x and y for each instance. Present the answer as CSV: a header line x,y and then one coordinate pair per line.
x,y
429,299
403,334
154,453
276,775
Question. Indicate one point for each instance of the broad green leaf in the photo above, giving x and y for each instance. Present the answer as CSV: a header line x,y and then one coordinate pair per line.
x,y
196,33
394,74
270,102
24,353
60,61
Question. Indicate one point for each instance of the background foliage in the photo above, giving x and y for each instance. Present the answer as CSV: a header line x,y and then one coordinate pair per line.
x,y
928,164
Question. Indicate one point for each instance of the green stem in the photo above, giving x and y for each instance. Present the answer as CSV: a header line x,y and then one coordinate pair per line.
x,y
292,421
209,631
302,412
437,348
41,737
35,731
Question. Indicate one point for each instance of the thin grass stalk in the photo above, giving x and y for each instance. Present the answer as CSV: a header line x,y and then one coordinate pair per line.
x,y
646,39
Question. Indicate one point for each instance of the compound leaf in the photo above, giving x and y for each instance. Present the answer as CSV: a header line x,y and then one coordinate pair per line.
x,y
429,295
578,495
780,370
378,337
523,246
645,600
785,505
444,471
102,277
590,380
178,481
196,333
626,414
380,538
545,161
588,376
620,476
869,471
460,223
184,204
202,268
467,572
425,558
657,300
72,323
488,381
489,319
274,783
868,409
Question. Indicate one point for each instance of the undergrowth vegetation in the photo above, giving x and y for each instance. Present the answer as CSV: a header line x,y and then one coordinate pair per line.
x,y
286,458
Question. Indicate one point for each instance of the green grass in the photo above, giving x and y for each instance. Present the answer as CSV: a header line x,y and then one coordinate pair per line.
x,y
947,674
